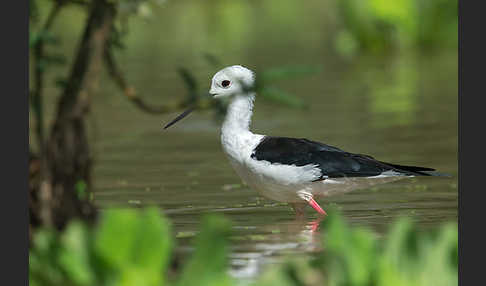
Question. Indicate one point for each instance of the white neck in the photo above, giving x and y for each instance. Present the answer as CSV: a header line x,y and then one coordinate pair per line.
x,y
237,139
238,115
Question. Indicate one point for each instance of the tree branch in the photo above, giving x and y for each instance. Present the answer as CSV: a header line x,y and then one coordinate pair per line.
x,y
116,74
37,92
130,93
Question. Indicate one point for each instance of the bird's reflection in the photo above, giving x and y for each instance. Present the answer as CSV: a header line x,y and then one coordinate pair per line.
x,y
299,236
313,225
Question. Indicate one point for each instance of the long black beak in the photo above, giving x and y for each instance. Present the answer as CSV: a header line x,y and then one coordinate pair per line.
x,y
182,115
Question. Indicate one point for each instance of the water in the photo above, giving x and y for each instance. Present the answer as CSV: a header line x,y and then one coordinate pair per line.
x,y
400,108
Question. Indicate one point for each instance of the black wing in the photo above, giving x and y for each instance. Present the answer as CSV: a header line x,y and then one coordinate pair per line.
x,y
332,161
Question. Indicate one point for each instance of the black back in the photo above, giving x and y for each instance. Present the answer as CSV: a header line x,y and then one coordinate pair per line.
x,y
332,161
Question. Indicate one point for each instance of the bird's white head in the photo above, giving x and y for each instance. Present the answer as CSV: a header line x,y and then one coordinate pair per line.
x,y
232,80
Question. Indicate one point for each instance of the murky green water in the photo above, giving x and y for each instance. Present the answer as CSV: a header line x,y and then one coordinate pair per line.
x,y
400,108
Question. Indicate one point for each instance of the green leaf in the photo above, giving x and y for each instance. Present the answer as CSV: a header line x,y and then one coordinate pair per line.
x,y
116,236
55,59
213,60
135,246
281,97
287,72
33,38
75,253
81,189
61,82
209,262
154,245
403,249
350,255
43,264
189,80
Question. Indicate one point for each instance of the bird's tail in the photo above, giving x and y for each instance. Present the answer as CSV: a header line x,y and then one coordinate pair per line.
x,y
436,174
418,171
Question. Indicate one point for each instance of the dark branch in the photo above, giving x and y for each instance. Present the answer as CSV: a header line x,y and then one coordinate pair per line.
x,y
116,74
37,92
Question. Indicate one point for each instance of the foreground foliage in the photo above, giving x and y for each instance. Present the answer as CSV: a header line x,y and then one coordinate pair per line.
x,y
130,247
355,256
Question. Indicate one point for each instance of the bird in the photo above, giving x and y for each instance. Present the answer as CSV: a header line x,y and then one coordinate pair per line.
x,y
296,171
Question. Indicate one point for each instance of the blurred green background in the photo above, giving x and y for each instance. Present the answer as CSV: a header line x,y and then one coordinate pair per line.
x,y
386,85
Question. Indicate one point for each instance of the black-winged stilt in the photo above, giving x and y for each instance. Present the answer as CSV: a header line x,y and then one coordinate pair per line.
x,y
291,170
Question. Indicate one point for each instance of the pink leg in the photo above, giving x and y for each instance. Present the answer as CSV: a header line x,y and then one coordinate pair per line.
x,y
316,206
315,225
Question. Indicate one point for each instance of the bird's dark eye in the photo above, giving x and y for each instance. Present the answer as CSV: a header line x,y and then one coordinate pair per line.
x,y
225,83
